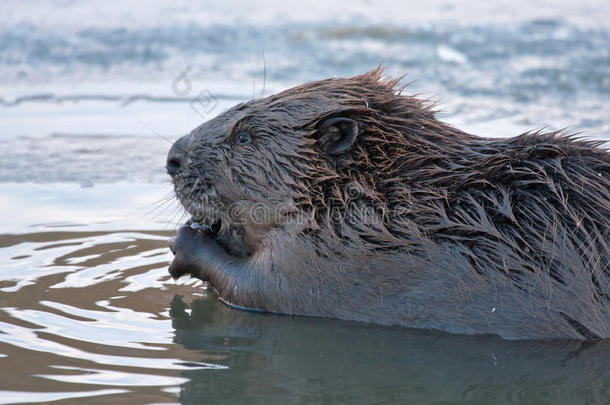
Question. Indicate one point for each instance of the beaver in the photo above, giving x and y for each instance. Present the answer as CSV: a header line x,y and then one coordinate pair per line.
x,y
345,198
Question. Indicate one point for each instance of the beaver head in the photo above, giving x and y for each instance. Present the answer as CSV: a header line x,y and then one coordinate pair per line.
x,y
303,151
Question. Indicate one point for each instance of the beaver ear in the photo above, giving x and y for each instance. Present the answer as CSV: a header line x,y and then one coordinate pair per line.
x,y
337,135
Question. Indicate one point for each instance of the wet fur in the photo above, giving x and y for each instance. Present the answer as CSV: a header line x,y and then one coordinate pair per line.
x,y
418,224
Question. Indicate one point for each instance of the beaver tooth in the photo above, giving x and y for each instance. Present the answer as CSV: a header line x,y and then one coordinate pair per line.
x,y
193,224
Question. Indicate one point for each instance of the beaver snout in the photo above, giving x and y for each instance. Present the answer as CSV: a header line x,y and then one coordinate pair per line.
x,y
177,155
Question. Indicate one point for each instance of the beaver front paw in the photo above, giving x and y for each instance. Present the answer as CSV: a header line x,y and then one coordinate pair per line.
x,y
193,249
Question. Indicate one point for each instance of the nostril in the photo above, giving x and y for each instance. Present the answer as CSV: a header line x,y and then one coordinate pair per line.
x,y
177,154
174,163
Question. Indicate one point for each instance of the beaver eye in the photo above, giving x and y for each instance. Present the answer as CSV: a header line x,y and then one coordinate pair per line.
x,y
243,138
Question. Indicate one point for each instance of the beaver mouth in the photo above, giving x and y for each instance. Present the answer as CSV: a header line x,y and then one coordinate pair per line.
x,y
209,214
216,223
207,217
203,205
213,228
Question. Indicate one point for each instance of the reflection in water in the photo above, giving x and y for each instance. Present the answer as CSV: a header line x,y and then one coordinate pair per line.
x,y
281,359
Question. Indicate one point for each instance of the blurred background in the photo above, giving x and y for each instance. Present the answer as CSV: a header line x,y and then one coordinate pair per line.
x,y
93,93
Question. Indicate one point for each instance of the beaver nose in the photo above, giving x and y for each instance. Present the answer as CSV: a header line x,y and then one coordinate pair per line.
x,y
177,155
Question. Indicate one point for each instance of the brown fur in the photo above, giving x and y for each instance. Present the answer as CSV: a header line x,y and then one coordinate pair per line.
x,y
417,224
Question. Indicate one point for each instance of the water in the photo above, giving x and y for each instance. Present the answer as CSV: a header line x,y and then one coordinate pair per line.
x,y
89,101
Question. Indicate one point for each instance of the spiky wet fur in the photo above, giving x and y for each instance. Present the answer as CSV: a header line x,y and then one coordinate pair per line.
x,y
519,226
